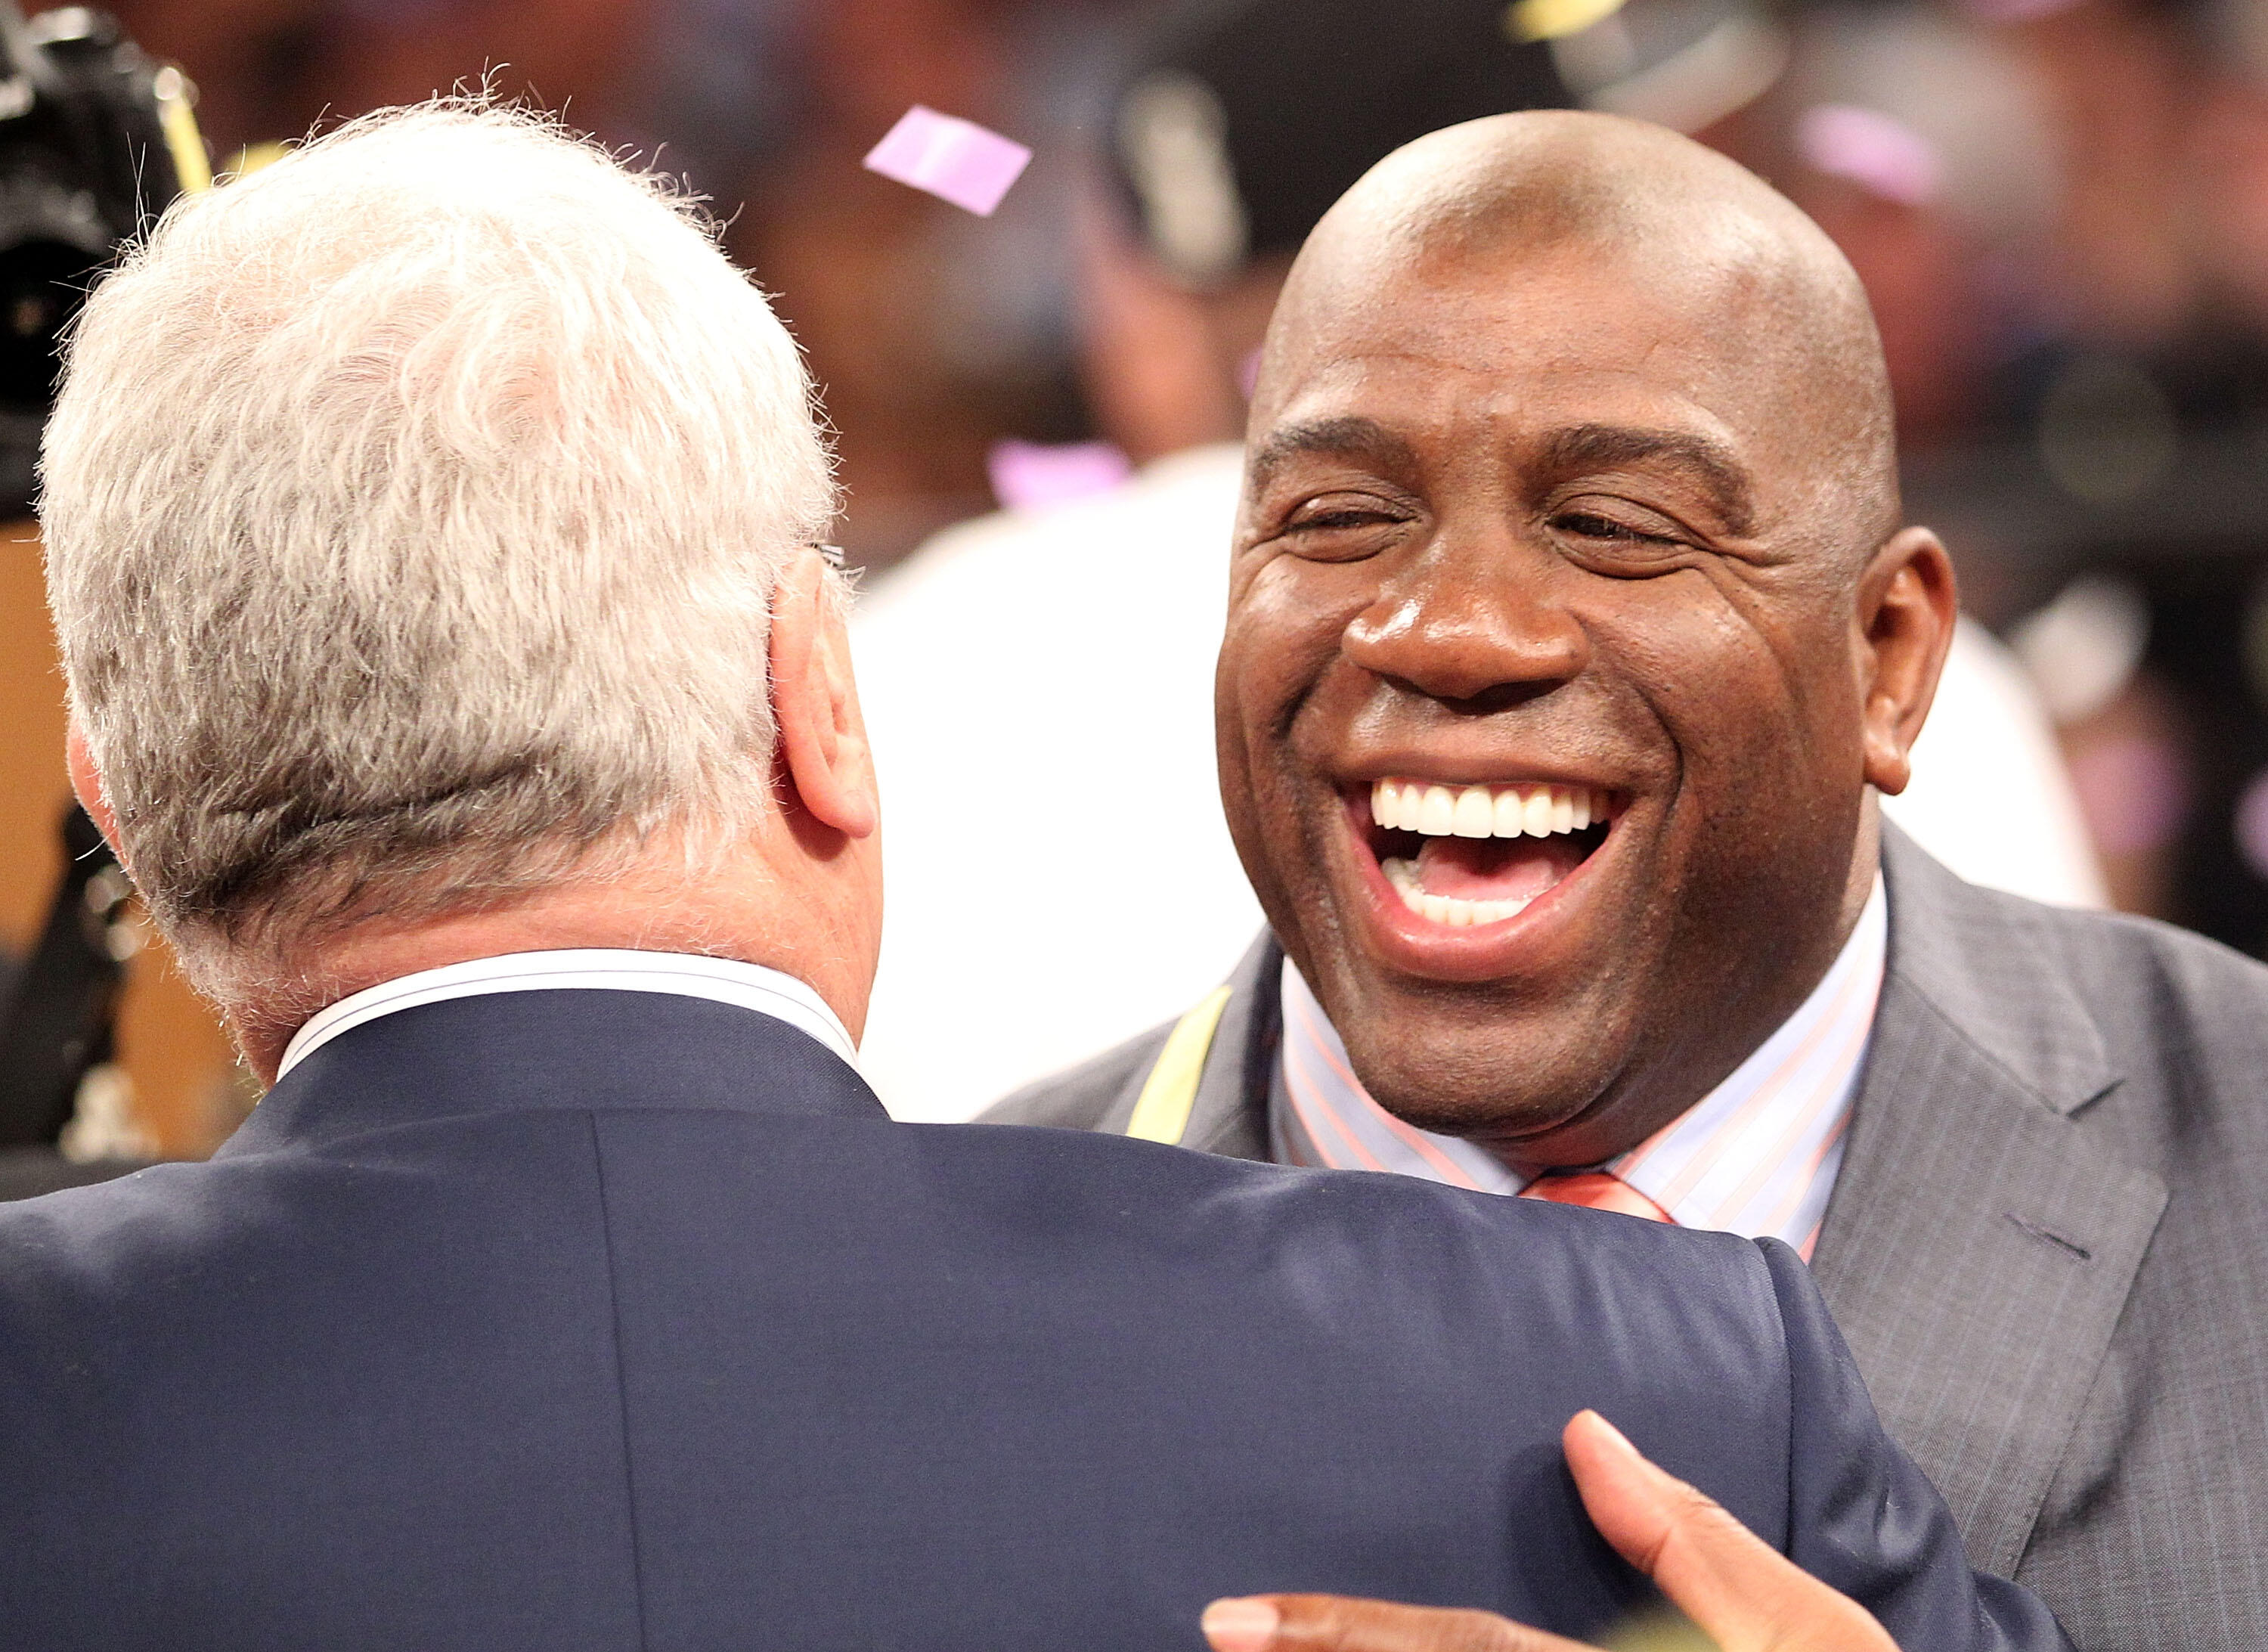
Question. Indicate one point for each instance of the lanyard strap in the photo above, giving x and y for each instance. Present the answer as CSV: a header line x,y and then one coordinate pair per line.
x,y
1161,1112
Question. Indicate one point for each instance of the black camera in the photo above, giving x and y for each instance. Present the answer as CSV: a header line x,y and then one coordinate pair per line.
x,y
95,140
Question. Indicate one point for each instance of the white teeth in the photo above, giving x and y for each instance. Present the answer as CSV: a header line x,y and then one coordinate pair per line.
x,y
1509,814
1476,815
1437,814
1484,811
1444,909
1395,804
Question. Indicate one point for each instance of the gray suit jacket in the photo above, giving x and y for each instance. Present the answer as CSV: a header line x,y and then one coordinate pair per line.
x,y
2048,1246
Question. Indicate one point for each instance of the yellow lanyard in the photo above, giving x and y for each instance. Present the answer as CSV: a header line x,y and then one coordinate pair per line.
x,y
1161,1112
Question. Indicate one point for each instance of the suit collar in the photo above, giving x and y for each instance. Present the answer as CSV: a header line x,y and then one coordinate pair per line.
x,y
1989,965
1229,1115
576,1048
1981,1242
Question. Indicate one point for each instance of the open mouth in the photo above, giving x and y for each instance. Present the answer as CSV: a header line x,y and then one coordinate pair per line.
x,y
1469,855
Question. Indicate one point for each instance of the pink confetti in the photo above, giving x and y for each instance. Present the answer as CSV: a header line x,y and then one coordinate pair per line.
x,y
1028,474
954,159
1881,155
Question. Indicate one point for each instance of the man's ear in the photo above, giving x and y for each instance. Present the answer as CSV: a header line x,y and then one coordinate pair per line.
x,y
86,784
823,754
1908,603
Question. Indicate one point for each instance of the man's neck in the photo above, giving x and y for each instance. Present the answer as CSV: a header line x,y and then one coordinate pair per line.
x,y
645,909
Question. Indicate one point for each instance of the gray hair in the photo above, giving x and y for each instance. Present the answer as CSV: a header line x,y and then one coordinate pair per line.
x,y
413,508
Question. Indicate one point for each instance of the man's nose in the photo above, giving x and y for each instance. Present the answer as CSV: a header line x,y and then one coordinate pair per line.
x,y
1461,624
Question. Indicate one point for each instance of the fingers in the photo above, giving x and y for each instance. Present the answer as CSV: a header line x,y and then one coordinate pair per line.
x,y
1744,1593
1334,1623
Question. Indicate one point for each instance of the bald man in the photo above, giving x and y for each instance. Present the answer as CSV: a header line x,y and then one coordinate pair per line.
x,y
1574,636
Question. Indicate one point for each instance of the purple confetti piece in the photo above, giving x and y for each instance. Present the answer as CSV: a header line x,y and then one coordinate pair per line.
x,y
1882,156
1028,474
954,159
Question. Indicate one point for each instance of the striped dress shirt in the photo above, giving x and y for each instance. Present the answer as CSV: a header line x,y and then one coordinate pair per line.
x,y
1756,1156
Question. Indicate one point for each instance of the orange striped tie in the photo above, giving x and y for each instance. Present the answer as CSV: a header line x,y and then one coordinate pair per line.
x,y
1597,1189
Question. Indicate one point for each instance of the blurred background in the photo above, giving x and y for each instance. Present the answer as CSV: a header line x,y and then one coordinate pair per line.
x,y
2059,208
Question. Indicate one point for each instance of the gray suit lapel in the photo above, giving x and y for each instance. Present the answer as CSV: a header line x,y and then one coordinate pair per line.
x,y
1230,1113
1978,1249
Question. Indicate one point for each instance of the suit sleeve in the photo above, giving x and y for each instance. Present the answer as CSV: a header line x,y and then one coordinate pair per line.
x,y
1863,1518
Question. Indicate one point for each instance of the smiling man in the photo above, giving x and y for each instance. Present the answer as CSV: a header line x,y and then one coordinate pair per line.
x,y
1536,705
1574,635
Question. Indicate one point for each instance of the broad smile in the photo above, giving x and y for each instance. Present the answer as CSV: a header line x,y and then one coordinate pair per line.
x,y
1462,876
1468,856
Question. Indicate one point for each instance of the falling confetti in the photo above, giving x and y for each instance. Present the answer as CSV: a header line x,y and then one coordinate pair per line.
x,y
1881,155
1028,474
954,159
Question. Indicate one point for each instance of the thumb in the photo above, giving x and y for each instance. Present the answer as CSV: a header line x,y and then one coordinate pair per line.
x,y
1745,1594
1333,1622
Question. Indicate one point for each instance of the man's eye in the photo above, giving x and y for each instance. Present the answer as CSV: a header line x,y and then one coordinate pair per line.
x,y
1584,525
1340,530
1616,542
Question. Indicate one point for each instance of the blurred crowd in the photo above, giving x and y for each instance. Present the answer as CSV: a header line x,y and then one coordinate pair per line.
x,y
2059,209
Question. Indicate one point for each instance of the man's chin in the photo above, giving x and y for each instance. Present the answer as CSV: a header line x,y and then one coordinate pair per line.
x,y
1453,1084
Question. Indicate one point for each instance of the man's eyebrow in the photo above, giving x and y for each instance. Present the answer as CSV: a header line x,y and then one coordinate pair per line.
x,y
1350,436
1711,464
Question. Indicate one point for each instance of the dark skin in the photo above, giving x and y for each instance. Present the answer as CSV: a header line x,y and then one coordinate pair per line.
x,y
1570,464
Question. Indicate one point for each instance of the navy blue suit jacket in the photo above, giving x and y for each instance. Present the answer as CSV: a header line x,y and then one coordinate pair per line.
x,y
582,1319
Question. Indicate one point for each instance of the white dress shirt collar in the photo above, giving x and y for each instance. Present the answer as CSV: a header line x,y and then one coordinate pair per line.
x,y
607,969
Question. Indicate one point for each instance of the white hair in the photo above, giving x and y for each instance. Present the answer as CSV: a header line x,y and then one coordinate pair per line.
x,y
413,508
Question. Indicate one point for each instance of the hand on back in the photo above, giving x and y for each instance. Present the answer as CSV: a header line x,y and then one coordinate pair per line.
x,y
1742,1593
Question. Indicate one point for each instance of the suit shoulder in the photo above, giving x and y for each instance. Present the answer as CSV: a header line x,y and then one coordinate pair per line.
x,y
2176,1023
160,1215
1081,1097
2120,962
1346,1227
73,1263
